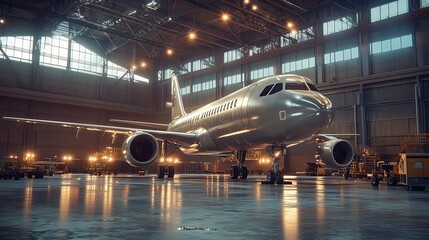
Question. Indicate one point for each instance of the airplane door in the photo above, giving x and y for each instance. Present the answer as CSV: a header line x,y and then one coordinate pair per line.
x,y
244,106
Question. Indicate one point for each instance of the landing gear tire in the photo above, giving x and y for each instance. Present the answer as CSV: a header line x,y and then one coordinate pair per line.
x,y
271,177
243,172
160,171
279,178
170,173
391,181
375,180
234,172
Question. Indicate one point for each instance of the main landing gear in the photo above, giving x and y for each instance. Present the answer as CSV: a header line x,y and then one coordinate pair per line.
x,y
163,169
275,175
240,169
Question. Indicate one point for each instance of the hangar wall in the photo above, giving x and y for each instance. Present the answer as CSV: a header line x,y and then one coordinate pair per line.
x,y
49,93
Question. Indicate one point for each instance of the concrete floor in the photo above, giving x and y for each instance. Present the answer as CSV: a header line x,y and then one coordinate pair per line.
x,y
208,207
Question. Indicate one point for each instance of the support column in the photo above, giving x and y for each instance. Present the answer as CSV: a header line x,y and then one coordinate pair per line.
x,y
364,42
319,54
420,115
362,119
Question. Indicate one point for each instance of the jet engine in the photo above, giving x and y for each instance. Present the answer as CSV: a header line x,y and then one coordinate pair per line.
x,y
335,153
140,149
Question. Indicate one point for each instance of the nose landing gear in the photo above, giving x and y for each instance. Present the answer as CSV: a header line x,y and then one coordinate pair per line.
x,y
275,175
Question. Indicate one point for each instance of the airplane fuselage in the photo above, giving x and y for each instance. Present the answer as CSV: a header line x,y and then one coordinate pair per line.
x,y
276,111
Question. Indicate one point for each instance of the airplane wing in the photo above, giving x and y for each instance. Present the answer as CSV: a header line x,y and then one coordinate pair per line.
x,y
179,138
144,124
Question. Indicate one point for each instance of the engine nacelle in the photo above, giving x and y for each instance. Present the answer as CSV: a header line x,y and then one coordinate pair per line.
x,y
336,153
140,149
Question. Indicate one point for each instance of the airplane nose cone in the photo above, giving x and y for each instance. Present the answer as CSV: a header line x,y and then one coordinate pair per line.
x,y
317,112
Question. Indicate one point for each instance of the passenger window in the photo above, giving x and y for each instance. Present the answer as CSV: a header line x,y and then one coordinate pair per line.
x,y
296,86
277,88
266,90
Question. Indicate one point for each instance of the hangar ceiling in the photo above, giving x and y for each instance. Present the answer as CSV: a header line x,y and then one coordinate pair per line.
x,y
148,28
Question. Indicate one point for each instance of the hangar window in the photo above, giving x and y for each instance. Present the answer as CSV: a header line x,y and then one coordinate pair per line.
x,y
297,37
164,74
233,79
204,83
196,87
254,50
54,51
261,72
84,60
340,24
389,10
185,90
115,71
138,78
298,65
17,48
262,69
232,55
183,69
342,55
204,63
209,85
424,3
391,44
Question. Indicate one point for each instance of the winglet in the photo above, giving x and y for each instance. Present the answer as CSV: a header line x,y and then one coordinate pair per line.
x,y
177,109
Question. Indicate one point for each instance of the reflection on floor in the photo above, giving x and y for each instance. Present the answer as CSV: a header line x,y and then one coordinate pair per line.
x,y
208,207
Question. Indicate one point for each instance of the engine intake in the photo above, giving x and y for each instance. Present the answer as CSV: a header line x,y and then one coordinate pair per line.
x,y
140,149
336,153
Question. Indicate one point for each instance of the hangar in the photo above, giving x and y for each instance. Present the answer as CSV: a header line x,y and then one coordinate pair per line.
x,y
96,60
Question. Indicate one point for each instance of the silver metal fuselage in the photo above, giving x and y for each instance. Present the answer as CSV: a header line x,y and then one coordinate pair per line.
x,y
249,119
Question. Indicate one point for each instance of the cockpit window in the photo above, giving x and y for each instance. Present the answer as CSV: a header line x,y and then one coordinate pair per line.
x,y
266,90
296,86
277,88
312,87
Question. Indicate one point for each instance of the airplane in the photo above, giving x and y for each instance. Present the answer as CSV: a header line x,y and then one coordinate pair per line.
x,y
273,113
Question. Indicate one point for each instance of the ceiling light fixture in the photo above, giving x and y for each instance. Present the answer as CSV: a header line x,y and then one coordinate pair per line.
x,y
225,17
192,35
154,5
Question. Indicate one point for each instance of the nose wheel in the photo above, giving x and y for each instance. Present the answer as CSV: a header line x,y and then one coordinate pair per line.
x,y
275,175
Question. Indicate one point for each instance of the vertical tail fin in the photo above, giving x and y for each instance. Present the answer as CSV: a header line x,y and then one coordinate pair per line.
x,y
177,109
